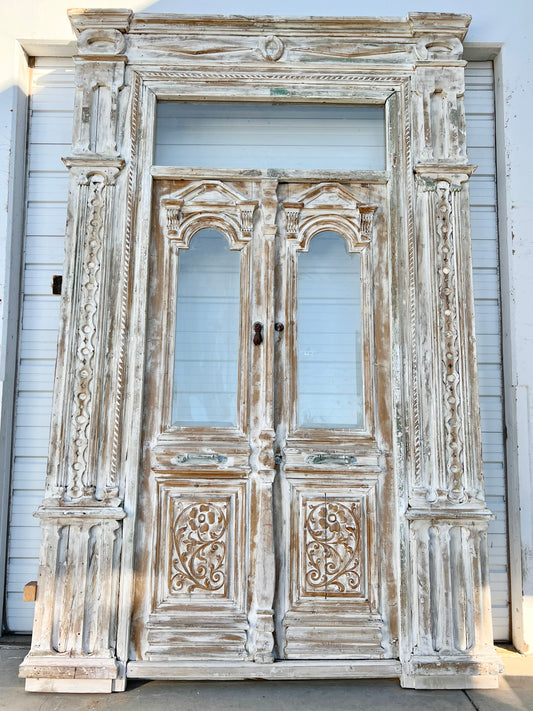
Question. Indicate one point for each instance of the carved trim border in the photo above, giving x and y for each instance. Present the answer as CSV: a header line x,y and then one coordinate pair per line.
x,y
112,482
96,182
412,276
372,77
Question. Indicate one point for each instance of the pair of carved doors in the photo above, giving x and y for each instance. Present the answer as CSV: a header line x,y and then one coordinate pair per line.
x,y
266,526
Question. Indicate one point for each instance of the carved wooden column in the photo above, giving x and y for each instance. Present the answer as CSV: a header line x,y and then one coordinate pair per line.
x,y
450,625
74,638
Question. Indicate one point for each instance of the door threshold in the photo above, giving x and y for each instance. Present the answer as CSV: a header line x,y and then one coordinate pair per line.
x,y
197,670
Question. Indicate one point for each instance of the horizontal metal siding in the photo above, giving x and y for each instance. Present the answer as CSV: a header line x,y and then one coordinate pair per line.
x,y
283,136
49,139
479,100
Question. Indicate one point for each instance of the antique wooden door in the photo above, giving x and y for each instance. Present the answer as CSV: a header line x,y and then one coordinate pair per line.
x,y
266,525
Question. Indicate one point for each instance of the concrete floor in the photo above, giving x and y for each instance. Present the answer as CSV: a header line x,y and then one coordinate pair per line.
x,y
515,692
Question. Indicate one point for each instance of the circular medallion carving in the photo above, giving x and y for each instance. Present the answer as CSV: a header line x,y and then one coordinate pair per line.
x,y
271,48
101,41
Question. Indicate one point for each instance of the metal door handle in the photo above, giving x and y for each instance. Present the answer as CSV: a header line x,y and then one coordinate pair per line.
x,y
198,458
324,458
258,333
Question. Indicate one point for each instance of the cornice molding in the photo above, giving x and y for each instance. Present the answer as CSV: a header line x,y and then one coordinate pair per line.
x,y
359,40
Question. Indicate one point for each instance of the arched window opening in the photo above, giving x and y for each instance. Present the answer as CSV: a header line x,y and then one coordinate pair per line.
x,y
206,354
330,383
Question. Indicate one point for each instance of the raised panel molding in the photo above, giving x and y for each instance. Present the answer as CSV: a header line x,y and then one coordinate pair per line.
x,y
89,515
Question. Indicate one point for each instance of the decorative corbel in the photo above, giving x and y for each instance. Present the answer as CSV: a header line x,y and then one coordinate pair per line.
x,y
292,214
366,214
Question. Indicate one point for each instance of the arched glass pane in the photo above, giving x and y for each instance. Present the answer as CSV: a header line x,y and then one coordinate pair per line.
x,y
329,335
206,356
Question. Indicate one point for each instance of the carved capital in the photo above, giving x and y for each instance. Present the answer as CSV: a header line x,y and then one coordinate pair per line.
x,y
88,169
292,215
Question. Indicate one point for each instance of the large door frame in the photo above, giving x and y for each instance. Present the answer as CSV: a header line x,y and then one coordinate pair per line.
x,y
125,64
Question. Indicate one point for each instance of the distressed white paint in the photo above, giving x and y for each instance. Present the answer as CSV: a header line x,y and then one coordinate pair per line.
x,y
51,101
44,28
489,26
446,505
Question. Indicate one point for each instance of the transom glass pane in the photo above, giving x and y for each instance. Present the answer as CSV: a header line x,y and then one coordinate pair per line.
x,y
206,356
240,135
329,335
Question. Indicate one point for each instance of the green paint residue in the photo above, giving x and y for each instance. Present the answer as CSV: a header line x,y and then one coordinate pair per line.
x,y
279,92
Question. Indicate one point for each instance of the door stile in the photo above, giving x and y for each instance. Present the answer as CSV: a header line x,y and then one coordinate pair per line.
x,y
284,364
262,468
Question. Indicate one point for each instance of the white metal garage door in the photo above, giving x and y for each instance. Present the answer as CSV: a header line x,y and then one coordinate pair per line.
x,y
49,139
479,99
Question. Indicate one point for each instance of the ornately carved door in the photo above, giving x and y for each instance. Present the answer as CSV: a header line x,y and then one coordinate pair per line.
x,y
266,526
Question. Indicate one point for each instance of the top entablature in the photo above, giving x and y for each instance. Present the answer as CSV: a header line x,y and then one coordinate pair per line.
x,y
187,39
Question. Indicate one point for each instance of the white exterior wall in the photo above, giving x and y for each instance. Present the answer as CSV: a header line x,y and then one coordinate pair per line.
x,y
506,35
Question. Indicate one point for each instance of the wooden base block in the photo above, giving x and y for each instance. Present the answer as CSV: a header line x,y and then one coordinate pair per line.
x,y
71,686
219,671
449,673
447,681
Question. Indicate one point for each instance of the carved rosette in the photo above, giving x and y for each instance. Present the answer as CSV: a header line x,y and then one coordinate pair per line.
x,y
271,48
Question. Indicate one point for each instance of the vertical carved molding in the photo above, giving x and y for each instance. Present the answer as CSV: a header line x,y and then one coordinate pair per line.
x,y
450,623
78,476
81,515
260,644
